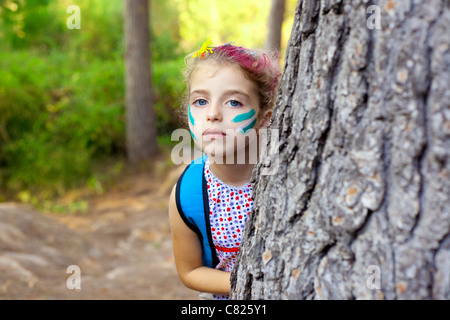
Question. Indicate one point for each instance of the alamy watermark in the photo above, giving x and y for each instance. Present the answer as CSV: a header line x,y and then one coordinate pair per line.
x,y
74,280
374,19
374,280
264,148
74,20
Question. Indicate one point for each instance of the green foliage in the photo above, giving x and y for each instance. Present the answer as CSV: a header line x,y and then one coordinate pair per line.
x,y
56,125
244,22
62,113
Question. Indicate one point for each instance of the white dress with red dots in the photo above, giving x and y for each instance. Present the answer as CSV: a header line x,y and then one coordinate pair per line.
x,y
229,207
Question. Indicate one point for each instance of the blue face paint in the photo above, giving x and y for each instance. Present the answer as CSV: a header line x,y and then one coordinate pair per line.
x,y
250,126
192,120
250,121
192,134
244,116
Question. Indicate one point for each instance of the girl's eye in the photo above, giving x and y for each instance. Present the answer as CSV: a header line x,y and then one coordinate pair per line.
x,y
234,103
200,102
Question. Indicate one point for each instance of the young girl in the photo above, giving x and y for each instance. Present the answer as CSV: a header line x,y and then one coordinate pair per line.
x,y
230,96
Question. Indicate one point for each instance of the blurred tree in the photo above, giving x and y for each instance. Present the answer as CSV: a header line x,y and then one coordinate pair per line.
x,y
276,18
141,131
29,23
62,106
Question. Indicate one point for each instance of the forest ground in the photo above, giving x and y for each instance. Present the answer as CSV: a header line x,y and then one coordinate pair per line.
x,y
122,245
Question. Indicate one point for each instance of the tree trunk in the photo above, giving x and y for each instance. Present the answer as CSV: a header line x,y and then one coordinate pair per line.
x,y
361,208
140,116
276,18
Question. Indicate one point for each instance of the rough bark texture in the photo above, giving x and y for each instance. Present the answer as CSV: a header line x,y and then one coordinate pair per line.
x,y
363,176
140,116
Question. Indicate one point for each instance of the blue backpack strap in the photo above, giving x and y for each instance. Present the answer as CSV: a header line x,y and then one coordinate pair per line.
x,y
192,201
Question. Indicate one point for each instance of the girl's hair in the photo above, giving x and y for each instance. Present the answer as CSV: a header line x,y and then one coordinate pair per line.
x,y
258,66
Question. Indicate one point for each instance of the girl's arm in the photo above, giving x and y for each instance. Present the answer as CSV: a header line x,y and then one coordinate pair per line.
x,y
188,257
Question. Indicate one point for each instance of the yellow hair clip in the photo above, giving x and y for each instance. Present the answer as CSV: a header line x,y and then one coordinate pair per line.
x,y
206,47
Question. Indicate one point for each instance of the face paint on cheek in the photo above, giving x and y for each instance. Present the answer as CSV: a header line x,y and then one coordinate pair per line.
x,y
248,127
192,121
249,120
244,116
191,118
192,134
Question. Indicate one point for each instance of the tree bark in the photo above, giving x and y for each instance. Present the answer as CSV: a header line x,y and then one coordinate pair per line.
x,y
140,116
276,18
362,182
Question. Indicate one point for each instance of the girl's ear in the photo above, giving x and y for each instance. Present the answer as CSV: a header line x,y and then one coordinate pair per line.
x,y
265,118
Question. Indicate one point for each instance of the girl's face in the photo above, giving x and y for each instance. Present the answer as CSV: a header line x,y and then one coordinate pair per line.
x,y
223,109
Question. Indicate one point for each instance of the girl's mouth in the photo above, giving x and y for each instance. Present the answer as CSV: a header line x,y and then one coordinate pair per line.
x,y
213,133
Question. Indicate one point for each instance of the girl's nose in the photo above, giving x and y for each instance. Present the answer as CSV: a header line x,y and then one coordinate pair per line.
x,y
214,113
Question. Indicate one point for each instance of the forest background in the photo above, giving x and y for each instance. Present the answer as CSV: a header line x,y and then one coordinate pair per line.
x,y
62,91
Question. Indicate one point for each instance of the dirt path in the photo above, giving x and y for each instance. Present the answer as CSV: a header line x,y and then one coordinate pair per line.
x,y
122,246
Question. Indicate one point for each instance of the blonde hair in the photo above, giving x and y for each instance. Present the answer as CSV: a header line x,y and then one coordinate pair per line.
x,y
258,66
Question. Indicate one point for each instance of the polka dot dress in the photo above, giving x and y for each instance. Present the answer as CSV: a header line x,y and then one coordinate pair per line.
x,y
229,208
